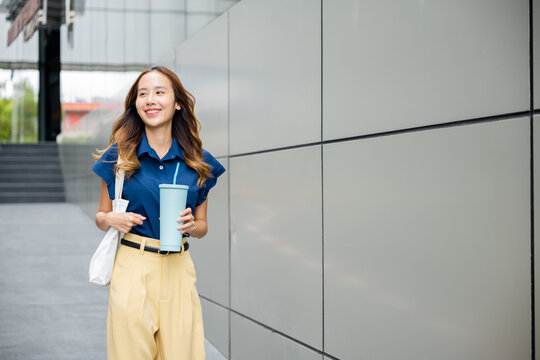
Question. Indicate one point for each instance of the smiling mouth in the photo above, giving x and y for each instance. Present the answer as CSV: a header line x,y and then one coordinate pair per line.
x,y
152,112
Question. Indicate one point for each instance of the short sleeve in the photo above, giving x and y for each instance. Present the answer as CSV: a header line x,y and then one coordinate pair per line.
x,y
216,170
104,168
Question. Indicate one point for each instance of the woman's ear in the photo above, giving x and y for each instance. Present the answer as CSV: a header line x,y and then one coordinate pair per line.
x,y
177,106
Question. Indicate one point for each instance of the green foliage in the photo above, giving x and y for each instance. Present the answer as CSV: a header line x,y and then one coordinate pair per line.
x,y
24,107
5,119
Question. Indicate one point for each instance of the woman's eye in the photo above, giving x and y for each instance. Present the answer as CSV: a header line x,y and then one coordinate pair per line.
x,y
160,92
142,94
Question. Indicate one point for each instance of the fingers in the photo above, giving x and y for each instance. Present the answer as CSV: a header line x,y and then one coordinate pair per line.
x,y
185,212
187,218
188,222
135,219
128,220
139,216
186,226
183,227
122,228
123,222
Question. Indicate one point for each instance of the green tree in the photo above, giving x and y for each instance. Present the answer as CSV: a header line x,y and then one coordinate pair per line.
x,y
5,117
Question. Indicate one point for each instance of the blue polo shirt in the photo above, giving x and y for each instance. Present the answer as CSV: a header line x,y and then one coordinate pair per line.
x,y
142,187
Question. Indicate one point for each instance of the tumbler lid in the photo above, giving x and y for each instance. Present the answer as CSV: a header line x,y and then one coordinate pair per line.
x,y
172,186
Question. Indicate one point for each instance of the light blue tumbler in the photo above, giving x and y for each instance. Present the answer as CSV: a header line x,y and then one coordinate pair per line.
x,y
172,201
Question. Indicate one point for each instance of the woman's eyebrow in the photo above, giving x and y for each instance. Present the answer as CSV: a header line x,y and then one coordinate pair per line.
x,y
155,87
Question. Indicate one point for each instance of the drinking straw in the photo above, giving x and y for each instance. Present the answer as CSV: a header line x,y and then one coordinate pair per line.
x,y
176,173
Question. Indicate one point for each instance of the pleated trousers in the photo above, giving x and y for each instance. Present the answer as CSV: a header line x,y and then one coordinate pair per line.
x,y
154,309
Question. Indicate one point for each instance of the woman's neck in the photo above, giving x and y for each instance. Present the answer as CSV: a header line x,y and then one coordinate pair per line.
x,y
159,139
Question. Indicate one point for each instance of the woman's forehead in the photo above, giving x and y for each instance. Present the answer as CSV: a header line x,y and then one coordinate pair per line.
x,y
154,79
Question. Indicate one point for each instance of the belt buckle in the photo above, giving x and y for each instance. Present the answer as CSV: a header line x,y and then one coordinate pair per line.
x,y
168,252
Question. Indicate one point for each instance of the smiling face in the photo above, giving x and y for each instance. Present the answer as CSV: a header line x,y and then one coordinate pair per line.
x,y
155,100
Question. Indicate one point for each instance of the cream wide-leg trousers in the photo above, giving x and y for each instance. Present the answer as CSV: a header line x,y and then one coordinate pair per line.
x,y
154,309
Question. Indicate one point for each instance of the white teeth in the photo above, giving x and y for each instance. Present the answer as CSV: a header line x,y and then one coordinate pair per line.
x,y
152,111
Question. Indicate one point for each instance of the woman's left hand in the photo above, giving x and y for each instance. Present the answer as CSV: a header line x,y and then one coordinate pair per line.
x,y
189,221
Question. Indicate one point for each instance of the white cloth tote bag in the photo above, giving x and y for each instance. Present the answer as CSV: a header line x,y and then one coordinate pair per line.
x,y
101,265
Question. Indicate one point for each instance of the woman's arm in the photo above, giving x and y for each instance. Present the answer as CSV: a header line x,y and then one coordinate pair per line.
x,y
194,224
105,218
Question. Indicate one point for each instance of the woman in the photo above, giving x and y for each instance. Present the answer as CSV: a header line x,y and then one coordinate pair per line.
x,y
154,310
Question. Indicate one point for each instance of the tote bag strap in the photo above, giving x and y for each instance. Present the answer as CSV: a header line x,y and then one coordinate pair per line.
x,y
119,182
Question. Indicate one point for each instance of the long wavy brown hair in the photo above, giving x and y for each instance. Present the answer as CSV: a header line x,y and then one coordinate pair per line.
x,y
128,129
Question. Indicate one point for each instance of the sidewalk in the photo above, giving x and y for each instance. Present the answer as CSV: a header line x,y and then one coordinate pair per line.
x,y
48,309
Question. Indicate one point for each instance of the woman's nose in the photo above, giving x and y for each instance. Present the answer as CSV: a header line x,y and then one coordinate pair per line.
x,y
150,98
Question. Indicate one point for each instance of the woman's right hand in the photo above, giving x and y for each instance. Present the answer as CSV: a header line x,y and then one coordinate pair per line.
x,y
123,222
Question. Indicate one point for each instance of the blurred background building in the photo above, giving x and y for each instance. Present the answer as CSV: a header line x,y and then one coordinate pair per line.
x,y
378,201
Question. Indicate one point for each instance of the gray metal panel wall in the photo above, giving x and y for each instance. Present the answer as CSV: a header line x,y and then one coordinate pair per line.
x,y
536,52
203,66
435,227
276,268
536,205
274,74
399,64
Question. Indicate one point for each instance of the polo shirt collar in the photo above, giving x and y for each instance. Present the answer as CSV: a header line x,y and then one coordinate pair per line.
x,y
174,151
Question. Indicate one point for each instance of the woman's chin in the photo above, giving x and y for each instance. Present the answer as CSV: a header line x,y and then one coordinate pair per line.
x,y
155,124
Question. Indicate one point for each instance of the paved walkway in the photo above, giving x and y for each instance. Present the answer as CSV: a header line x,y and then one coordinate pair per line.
x,y
48,309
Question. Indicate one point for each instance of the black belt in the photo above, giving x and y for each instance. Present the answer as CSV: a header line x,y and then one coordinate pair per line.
x,y
151,248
